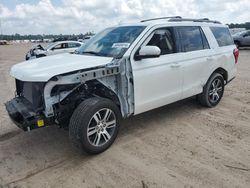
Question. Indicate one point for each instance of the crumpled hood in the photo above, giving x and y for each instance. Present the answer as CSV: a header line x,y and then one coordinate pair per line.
x,y
42,69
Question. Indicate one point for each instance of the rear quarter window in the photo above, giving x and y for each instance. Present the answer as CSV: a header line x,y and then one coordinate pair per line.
x,y
222,35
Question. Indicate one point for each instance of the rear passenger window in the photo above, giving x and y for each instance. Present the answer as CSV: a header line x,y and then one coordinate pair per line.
x,y
73,45
192,39
222,35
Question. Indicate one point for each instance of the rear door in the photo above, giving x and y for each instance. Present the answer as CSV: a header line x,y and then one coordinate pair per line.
x,y
196,56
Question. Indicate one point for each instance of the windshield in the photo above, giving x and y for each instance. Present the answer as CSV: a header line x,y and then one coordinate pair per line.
x,y
111,42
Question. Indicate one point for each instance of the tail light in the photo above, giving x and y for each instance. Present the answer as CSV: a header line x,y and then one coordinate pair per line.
x,y
236,55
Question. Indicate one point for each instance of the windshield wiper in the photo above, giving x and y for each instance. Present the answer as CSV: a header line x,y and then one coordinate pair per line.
x,y
90,52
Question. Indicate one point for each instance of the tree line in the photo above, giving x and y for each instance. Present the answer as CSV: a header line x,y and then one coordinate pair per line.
x,y
44,36
241,25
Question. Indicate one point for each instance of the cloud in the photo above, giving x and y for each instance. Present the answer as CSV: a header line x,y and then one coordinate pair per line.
x,y
79,16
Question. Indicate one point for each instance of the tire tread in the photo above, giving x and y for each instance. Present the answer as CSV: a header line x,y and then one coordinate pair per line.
x,y
78,122
76,118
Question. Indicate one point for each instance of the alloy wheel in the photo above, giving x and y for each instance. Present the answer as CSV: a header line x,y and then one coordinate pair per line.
x,y
216,90
101,127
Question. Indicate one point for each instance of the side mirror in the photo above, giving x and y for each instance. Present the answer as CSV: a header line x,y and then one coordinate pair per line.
x,y
148,52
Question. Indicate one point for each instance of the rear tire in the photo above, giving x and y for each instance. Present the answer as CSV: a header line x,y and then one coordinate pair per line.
x,y
212,91
94,125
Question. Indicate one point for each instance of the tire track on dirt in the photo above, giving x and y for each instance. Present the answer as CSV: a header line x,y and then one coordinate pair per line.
x,y
9,135
35,172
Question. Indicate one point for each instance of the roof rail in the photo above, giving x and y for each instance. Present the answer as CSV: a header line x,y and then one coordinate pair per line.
x,y
193,20
162,18
179,19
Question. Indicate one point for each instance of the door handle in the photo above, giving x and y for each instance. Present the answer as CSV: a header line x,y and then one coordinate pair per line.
x,y
175,65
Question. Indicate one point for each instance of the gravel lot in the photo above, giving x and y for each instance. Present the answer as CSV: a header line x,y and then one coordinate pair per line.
x,y
179,145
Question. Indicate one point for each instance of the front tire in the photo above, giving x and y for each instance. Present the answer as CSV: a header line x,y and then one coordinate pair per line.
x,y
40,55
212,91
94,125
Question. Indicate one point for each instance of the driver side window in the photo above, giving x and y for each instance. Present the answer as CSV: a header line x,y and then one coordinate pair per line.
x,y
163,38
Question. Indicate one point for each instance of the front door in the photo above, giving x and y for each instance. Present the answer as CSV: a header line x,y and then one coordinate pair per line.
x,y
58,49
157,81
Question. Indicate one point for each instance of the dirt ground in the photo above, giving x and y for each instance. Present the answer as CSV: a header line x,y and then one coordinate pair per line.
x,y
179,145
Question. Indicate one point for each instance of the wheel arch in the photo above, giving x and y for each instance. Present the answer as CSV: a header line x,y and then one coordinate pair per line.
x,y
108,93
221,71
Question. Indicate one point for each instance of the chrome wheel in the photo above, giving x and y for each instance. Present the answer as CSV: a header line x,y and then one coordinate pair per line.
x,y
101,127
216,90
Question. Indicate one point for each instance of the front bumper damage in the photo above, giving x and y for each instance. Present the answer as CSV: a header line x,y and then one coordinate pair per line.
x,y
23,115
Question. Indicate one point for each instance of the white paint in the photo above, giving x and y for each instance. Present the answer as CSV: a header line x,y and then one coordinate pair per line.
x,y
150,50
170,78
42,69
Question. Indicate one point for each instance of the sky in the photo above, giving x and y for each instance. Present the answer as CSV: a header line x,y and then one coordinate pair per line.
x,y
80,16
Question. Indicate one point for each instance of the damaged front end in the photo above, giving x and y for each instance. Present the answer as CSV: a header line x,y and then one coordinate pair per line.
x,y
38,104
35,52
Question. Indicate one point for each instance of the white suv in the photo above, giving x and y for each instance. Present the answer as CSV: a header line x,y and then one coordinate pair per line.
x,y
124,71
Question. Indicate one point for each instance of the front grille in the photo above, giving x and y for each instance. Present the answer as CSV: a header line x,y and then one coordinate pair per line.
x,y
32,91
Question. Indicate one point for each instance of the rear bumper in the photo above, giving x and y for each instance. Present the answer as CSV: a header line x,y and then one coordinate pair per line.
x,y
22,114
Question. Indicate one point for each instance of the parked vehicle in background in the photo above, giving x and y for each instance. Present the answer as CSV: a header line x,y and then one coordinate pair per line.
x,y
52,49
236,30
242,39
85,39
121,72
3,42
47,40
